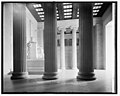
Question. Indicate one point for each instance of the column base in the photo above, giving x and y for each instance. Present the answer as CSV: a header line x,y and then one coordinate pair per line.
x,y
19,75
63,69
74,68
50,76
86,76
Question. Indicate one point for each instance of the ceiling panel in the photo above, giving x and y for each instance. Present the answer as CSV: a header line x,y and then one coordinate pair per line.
x,y
66,10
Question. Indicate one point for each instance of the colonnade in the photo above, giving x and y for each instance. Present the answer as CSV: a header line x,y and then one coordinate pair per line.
x,y
85,66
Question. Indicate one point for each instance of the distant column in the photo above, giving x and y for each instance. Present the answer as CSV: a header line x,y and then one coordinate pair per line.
x,y
19,42
50,41
86,71
62,50
74,49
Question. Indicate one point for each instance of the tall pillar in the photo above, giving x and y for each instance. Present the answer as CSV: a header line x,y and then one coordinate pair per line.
x,y
86,71
50,42
19,42
62,50
74,49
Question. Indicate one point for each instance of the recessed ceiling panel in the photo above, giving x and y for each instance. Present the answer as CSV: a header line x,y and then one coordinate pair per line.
x,y
69,10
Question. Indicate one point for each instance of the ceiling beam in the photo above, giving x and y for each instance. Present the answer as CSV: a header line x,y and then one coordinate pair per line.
x,y
60,11
103,9
74,10
33,11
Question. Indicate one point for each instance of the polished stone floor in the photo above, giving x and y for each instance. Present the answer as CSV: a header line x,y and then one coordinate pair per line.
x,y
66,82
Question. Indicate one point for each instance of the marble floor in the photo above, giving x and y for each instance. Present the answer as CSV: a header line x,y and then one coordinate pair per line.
x,y
66,83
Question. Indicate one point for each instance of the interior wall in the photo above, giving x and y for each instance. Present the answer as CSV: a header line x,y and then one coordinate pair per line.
x,y
8,37
40,29
107,17
31,26
98,43
31,33
109,46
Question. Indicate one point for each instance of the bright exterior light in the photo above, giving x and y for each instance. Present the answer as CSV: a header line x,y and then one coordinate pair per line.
x,y
40,9
98,3
94,13
67,10
41,15
57,17
67,13
37,5
40,12
95,10
68,16
67,6
42,18
96,7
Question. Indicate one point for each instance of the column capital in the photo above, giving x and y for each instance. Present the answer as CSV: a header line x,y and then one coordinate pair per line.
x,y
62,29
74,28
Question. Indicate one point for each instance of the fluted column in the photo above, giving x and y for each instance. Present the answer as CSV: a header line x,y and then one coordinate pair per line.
x,y
62,49
74,49
86,71
50,42
19,42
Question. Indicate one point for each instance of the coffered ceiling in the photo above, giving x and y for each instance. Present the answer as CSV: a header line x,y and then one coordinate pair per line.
x,y
66,10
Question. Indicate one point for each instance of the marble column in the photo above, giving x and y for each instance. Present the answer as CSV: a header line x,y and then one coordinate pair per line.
x,y
74,49
85,66
50,41
62,49
19,42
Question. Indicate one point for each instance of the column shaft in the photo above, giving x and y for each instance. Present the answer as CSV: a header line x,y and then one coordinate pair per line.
x,y
50,42
62,50
86,45
74,49
19,42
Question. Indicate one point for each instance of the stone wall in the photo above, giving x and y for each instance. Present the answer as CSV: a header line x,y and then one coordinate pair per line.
x,y
8,37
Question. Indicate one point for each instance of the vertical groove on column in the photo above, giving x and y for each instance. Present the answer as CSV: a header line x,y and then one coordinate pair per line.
x,y
85,35
23,39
